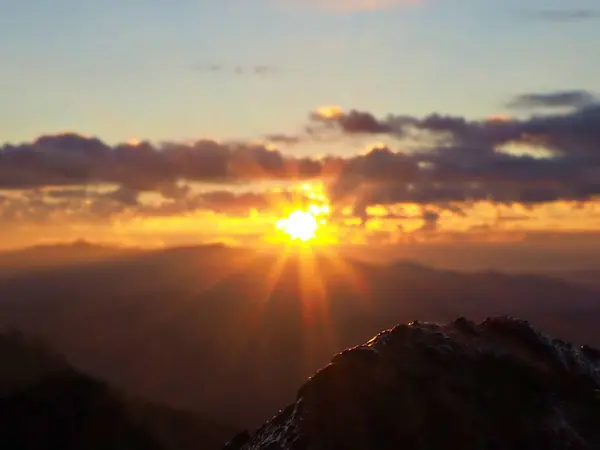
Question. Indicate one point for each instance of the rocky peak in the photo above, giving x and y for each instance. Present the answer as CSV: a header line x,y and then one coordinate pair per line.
x,y
499,384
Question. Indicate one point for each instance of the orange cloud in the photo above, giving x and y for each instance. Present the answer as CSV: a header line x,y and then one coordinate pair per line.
x,y
499,118
329,112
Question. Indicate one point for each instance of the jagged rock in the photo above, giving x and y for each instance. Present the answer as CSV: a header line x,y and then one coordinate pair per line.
x,y
498,385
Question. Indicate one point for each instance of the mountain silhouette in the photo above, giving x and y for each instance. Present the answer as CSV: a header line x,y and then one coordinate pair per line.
x,y
499,384
230,333
47,404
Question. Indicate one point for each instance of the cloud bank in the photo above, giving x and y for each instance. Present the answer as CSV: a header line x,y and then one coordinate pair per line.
x,y
72,159
470,160
441,162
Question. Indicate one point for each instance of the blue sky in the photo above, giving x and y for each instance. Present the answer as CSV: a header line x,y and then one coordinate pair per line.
x,y
139,68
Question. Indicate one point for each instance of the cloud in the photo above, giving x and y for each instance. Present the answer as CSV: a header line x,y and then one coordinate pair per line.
x,y
430,221
124,196
564,133
565,15
560,99
284,139
102,205
461,160
74,160
384,177
67,205
354,122
457,161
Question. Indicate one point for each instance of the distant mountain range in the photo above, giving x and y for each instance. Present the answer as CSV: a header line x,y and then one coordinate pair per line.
x,y
231,333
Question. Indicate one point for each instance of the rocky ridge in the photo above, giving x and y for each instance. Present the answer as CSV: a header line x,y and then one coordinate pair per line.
x,y
499,384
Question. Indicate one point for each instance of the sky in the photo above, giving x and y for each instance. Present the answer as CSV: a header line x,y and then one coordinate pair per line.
x,y
149,122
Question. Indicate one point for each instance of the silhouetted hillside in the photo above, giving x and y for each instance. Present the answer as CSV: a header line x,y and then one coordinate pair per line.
x,y
46,404
498,385
232,332
25,362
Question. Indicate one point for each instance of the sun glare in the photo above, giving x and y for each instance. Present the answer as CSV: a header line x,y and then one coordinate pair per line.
x,y
299,225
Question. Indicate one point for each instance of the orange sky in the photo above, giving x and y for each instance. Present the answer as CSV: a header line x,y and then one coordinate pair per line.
x,y
248,225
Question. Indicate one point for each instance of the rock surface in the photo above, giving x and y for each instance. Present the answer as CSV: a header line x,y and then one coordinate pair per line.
x,y
496,385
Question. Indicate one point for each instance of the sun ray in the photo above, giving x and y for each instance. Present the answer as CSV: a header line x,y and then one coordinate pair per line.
x,y
252,322
318,331
303,280
182,281
347,270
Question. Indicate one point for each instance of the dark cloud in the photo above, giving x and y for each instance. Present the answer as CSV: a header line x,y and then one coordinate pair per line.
x,y
430,221
383,177
560,99
174,190
67,193
354,122
469,160
565,15
66,205
74,160
284,139
124,195
60,205
572,132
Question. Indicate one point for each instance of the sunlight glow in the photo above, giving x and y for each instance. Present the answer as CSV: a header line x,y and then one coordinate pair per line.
x,y
330,112
299,225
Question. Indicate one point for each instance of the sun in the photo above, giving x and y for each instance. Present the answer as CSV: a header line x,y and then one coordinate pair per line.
x,y
299,225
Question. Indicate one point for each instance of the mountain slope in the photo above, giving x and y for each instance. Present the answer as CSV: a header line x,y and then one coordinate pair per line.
x,y
47,404
497,385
